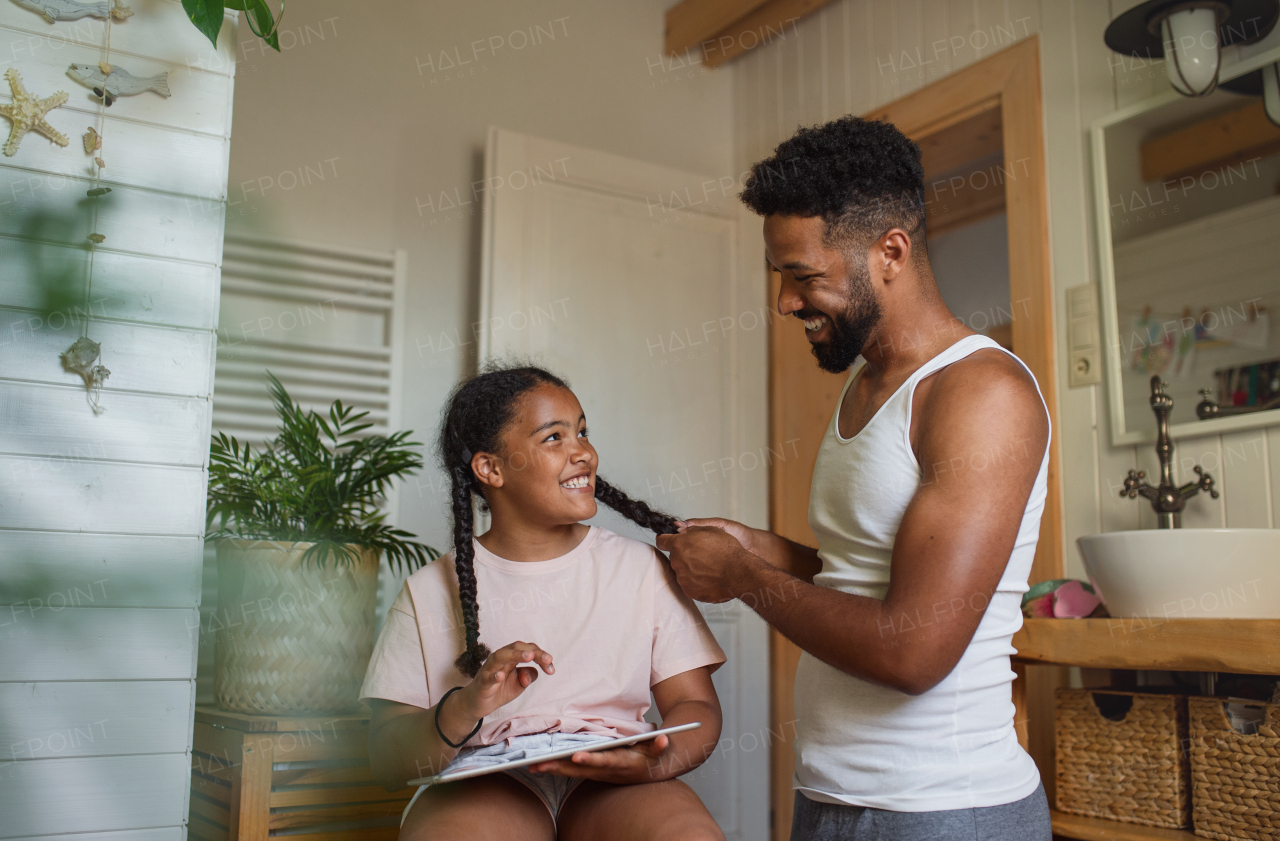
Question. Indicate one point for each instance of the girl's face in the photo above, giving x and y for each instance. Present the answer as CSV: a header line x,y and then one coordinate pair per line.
x,y
548,467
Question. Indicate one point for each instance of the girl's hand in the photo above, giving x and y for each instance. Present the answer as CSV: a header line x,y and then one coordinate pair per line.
x,y
638,763
501,679
743,534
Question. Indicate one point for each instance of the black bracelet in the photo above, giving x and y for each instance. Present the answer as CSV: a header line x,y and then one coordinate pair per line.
x,y
445,738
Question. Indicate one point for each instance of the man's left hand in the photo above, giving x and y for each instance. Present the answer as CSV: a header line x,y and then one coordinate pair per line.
x,y
707,562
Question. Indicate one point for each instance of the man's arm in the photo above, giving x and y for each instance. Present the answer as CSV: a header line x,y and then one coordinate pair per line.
x,y
982,436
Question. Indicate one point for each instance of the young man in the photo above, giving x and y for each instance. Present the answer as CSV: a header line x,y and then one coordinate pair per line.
x,y
926,502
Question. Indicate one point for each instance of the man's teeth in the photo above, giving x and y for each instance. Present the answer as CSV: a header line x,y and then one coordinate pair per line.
x,y
578,482
815,323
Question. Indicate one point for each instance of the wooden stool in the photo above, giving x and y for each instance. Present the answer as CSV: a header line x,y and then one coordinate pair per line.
x,y
254,774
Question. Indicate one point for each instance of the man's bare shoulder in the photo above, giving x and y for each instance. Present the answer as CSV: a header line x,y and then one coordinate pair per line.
x,y
988,395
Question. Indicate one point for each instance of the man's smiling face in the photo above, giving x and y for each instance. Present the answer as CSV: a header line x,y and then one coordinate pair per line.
x,y
826,288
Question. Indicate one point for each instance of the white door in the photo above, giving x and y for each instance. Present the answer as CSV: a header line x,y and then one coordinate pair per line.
x,y
619,275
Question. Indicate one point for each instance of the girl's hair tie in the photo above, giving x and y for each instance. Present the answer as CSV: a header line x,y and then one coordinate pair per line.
x,y
466,455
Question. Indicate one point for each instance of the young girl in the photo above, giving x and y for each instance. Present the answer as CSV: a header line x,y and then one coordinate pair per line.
x,y
581,623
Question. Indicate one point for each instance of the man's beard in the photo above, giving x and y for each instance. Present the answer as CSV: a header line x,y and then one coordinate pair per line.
x,y
851,328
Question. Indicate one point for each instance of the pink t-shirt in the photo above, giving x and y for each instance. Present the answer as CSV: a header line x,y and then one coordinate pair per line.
x,y
610,612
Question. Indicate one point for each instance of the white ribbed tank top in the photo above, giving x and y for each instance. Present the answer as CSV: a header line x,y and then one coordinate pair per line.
x,y
953,747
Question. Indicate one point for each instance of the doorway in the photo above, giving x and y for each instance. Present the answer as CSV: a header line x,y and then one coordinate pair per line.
x,y
981,134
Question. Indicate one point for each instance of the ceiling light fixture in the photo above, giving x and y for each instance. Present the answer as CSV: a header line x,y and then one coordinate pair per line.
x,y
1190,34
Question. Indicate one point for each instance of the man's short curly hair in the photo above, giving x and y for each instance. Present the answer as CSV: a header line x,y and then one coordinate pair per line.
x,y
862,177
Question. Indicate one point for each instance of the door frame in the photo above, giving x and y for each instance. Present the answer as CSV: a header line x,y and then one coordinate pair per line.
x,y
1008,80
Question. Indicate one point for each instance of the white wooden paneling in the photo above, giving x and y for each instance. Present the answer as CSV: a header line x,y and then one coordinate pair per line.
x,y
139,221
93,794
159,360
909,44
92,718
136,154
198,101
101,550
70,494
962,21
97,643
883,83
791,107
57,569
1246,485
168,833
158,30
48,420
125,286
811,69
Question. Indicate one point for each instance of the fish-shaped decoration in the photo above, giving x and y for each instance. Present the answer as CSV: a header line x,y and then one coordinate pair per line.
x,y
27,113
119,83
56,10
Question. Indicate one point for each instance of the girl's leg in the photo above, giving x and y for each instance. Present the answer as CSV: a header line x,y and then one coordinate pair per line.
x,y
490,808
665,811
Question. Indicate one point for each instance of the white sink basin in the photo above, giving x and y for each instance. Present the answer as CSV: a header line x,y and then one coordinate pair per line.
x,y
1186,573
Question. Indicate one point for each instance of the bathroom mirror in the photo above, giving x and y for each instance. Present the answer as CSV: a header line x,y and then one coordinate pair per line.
x,y
1187,194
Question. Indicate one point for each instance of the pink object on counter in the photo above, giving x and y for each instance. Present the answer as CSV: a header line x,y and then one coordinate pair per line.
x,y
1073,601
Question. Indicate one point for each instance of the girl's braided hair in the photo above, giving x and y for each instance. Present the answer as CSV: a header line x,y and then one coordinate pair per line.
x,y
477,413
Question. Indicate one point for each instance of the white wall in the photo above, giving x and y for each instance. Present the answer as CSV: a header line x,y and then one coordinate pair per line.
x,y
855,55
101,517
400,132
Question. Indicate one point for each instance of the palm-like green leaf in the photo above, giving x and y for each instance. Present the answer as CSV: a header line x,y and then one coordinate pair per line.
x,y
319,481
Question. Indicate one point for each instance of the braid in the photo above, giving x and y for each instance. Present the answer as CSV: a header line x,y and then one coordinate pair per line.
x,y
634,510
470,661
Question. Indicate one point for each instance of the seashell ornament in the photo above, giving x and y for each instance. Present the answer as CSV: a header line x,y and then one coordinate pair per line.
x,y
82,358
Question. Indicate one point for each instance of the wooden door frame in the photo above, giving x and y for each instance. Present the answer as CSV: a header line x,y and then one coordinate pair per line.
x,y
1010,81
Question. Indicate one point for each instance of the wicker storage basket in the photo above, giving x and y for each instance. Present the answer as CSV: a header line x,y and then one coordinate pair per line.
x,y
1134,770
1236,778
291,639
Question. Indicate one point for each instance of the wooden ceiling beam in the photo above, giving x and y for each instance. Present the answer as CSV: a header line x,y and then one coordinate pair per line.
x,y
719,30
1226,139
691,22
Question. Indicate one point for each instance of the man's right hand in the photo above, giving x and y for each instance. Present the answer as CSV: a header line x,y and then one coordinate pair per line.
x,y
793,558
499,681
743,534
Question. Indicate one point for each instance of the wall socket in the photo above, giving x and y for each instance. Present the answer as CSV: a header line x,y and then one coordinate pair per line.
x,y
1084,336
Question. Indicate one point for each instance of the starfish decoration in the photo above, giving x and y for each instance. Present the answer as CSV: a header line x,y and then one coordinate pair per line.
x,y
27,113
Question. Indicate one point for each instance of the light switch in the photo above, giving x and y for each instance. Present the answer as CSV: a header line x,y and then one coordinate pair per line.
x,y
1084,336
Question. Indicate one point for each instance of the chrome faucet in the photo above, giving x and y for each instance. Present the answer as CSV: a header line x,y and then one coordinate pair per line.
x,y
1167,498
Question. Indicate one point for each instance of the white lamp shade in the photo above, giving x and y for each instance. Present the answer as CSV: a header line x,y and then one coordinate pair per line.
x,y
1191,50
1271,92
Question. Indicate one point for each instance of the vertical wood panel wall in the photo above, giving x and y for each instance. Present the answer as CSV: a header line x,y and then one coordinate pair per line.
x,y
102,517
855,55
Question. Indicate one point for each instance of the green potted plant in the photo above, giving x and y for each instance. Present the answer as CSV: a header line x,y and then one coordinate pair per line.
x,y
299,535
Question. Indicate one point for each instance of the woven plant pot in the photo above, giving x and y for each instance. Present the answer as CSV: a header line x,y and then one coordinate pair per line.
x,y
1134,770
291,639
1236,778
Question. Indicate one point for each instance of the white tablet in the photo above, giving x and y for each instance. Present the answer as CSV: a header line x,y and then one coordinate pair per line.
x,y
622,741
